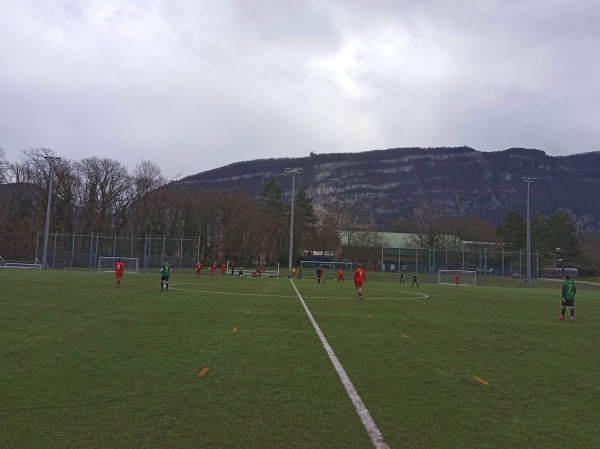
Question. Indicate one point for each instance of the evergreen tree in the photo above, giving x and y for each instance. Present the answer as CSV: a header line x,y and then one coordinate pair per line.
x,y
305,222
513,230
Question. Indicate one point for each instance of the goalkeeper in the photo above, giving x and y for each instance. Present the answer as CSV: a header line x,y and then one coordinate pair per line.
x,y
568,298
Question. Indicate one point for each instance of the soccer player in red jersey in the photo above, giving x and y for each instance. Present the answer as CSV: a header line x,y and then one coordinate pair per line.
x,y
223,269
457,279
360,278
213,270
198,268
340,275
119,268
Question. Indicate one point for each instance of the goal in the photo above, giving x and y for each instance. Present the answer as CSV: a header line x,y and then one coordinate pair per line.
x,y
448,277
314,264
132,264
19,264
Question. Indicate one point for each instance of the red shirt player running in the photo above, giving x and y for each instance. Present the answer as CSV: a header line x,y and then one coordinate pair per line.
x,y
340,275
223,269
119,268
198,268
360,278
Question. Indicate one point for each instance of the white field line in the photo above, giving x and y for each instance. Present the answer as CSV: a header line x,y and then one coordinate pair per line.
x,y
364,415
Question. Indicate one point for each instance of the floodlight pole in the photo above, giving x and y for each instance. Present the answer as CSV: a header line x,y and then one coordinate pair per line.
x,y
293,171
528,180
50,160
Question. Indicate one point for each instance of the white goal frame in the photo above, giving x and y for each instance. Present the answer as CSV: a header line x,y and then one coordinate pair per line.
x,y
447,277
107,264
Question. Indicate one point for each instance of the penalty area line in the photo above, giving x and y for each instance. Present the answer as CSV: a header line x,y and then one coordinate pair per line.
x,y
360,407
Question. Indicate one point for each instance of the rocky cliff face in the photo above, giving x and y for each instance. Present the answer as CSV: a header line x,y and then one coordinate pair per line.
x,y
397,182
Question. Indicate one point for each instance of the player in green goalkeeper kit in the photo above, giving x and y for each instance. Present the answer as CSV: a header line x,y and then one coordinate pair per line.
x,y
568,298
165,274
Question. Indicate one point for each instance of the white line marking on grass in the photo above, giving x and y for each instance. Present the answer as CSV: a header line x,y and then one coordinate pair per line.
x,y
418,294
364,415
226,293
369,297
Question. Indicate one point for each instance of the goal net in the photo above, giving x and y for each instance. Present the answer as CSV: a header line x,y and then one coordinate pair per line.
x,y
308,267
19,264
132,264
464,277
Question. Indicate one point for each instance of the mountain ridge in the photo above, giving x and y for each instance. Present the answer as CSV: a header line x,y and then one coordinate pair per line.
x,y
398,182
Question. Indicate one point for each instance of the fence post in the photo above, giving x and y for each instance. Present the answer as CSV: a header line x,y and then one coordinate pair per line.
x,y
72,249
417,260
537,267
91,250
520,273
146,253
399,262
97,242
54,251
37,238
181,251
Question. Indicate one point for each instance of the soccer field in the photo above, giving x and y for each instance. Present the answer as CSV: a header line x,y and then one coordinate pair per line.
x,y
237,363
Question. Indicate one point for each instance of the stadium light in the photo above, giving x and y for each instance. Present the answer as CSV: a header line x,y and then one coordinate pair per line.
x,y
528,180
50,160
293,171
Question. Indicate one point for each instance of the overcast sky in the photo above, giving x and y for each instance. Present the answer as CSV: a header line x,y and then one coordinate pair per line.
x,y
195,84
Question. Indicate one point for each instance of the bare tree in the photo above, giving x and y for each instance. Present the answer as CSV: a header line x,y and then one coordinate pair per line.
x,y
27,199
366,244
327,234
149,199
4,166
102,194
433,228
276,221
243,230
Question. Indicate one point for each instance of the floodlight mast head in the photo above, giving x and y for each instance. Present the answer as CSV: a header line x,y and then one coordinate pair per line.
x,y
293,171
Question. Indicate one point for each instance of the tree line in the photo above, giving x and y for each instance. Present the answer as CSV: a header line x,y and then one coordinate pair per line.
x,y
102,196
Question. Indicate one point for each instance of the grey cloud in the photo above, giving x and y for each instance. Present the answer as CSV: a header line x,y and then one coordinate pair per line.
x,y
213,83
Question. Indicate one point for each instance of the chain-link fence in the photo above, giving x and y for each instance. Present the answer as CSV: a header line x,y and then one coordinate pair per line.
x,y
83,251
493,267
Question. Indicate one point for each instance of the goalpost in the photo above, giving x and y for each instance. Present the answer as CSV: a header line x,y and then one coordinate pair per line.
x,y
312,265
132,264
448,277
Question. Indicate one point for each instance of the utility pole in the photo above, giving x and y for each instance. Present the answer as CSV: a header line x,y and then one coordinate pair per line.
x,y
293,171
528,180
50,160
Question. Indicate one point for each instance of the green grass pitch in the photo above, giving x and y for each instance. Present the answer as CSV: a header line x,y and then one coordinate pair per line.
x,y
236,363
